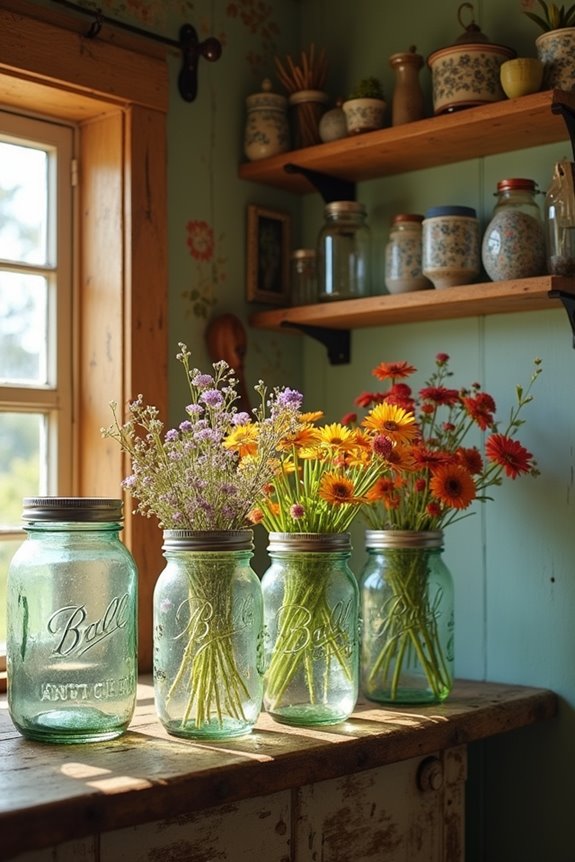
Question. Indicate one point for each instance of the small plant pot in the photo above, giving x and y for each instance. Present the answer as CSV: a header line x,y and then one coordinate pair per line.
x,y
521,76
364,115
556,50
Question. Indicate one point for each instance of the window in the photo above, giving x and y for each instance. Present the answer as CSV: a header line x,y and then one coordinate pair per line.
x,y
35,320
118,99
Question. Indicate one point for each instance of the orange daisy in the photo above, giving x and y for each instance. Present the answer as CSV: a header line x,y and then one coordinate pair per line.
x,y
393,370
453,486
338,489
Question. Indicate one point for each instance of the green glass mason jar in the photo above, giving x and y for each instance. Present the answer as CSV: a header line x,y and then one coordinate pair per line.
x,y
71,623
208,630
311,603
406,618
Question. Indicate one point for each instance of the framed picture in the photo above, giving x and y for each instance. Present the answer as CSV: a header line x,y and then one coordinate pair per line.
x,y
267,256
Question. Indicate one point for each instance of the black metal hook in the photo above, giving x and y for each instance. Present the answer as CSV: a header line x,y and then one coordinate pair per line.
x,y
192,50
96,25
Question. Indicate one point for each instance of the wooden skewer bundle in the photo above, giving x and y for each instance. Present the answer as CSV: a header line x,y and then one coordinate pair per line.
x,y
309,74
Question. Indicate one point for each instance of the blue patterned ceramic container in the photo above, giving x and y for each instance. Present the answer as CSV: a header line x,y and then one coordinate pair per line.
x,y
267,130
403,255
556,50
464,75
451,246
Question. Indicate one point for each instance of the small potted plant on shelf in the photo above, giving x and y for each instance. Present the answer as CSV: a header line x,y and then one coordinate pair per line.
x,y
365,108
556,44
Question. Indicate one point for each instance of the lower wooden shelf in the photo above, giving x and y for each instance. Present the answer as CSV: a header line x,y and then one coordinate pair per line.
x,y
494,297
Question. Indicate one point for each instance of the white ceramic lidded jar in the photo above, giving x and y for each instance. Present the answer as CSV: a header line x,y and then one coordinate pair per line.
x,y
451,245
267,130
403,255
514,241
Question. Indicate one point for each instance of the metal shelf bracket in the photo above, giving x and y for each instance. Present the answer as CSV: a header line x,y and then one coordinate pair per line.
x,y
568,300
336,341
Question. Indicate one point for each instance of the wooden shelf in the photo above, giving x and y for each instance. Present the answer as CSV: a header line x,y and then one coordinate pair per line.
x,y
497,297
499,127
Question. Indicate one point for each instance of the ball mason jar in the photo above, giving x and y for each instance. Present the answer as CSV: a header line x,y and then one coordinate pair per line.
x,y
406,618
208,632
72,633
311,629
343,252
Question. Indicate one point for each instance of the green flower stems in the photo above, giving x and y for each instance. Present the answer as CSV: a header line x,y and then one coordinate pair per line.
x,y
208,667
410,625
306,623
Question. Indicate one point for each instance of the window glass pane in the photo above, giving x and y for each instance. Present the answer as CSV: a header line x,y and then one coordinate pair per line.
x,y
23,204
23,328
22,447
7,550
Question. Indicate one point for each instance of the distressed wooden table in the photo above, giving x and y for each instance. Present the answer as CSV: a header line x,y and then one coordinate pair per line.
x,y
387,783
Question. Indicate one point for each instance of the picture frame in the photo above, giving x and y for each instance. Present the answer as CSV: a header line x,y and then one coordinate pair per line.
x,y
267,255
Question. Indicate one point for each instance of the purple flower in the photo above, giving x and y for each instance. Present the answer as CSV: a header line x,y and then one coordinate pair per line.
x,y
297,511
194,410
241,418
186,425
213,398
203,381
171,435
290,398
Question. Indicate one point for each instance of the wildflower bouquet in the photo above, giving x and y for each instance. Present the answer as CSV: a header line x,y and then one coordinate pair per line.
x,y
200,480
323,476
434,479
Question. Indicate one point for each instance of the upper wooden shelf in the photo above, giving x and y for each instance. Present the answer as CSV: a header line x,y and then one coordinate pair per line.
x,y
512,124
494,297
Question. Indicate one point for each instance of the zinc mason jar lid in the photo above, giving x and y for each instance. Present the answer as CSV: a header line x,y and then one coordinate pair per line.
x,y
450,210
310,542
381,539
345,208
92,510
208,540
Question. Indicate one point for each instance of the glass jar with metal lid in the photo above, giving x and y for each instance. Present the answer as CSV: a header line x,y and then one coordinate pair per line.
x,y
513,244
303,276
343,252
71,637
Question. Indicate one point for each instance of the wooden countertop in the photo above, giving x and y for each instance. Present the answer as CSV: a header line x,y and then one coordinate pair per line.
x,y
53,793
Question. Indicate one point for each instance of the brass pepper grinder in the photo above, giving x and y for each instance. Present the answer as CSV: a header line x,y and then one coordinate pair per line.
x,y
407,102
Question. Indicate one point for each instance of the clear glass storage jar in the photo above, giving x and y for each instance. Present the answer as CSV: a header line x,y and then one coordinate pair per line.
x,y
303,281
343,252
560,221
513,244
71,637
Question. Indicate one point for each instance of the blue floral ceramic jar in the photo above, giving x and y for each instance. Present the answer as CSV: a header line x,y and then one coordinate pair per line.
x,y
451,245
267,129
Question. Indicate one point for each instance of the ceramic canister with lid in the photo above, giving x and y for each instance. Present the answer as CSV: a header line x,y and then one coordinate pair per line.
x,y
451,245
343,252
514,241
267,130
403,255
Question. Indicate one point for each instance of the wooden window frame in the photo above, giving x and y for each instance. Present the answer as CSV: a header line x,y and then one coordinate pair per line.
x,y
118,96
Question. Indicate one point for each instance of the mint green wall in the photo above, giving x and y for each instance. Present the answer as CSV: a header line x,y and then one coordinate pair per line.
x,y
514,560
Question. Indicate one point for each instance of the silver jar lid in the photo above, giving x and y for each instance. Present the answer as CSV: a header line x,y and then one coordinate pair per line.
x,y
208,540
336,207
376,539
88,509
311,542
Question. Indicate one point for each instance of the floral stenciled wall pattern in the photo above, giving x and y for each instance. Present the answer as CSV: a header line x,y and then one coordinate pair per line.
x,y
257,16
209,272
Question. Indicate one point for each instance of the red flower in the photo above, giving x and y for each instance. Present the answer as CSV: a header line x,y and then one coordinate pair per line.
x,y
509,454
200,240
440,395
393,370
400,394
349,419
453,486
481,409
471,459
366,399
442,358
